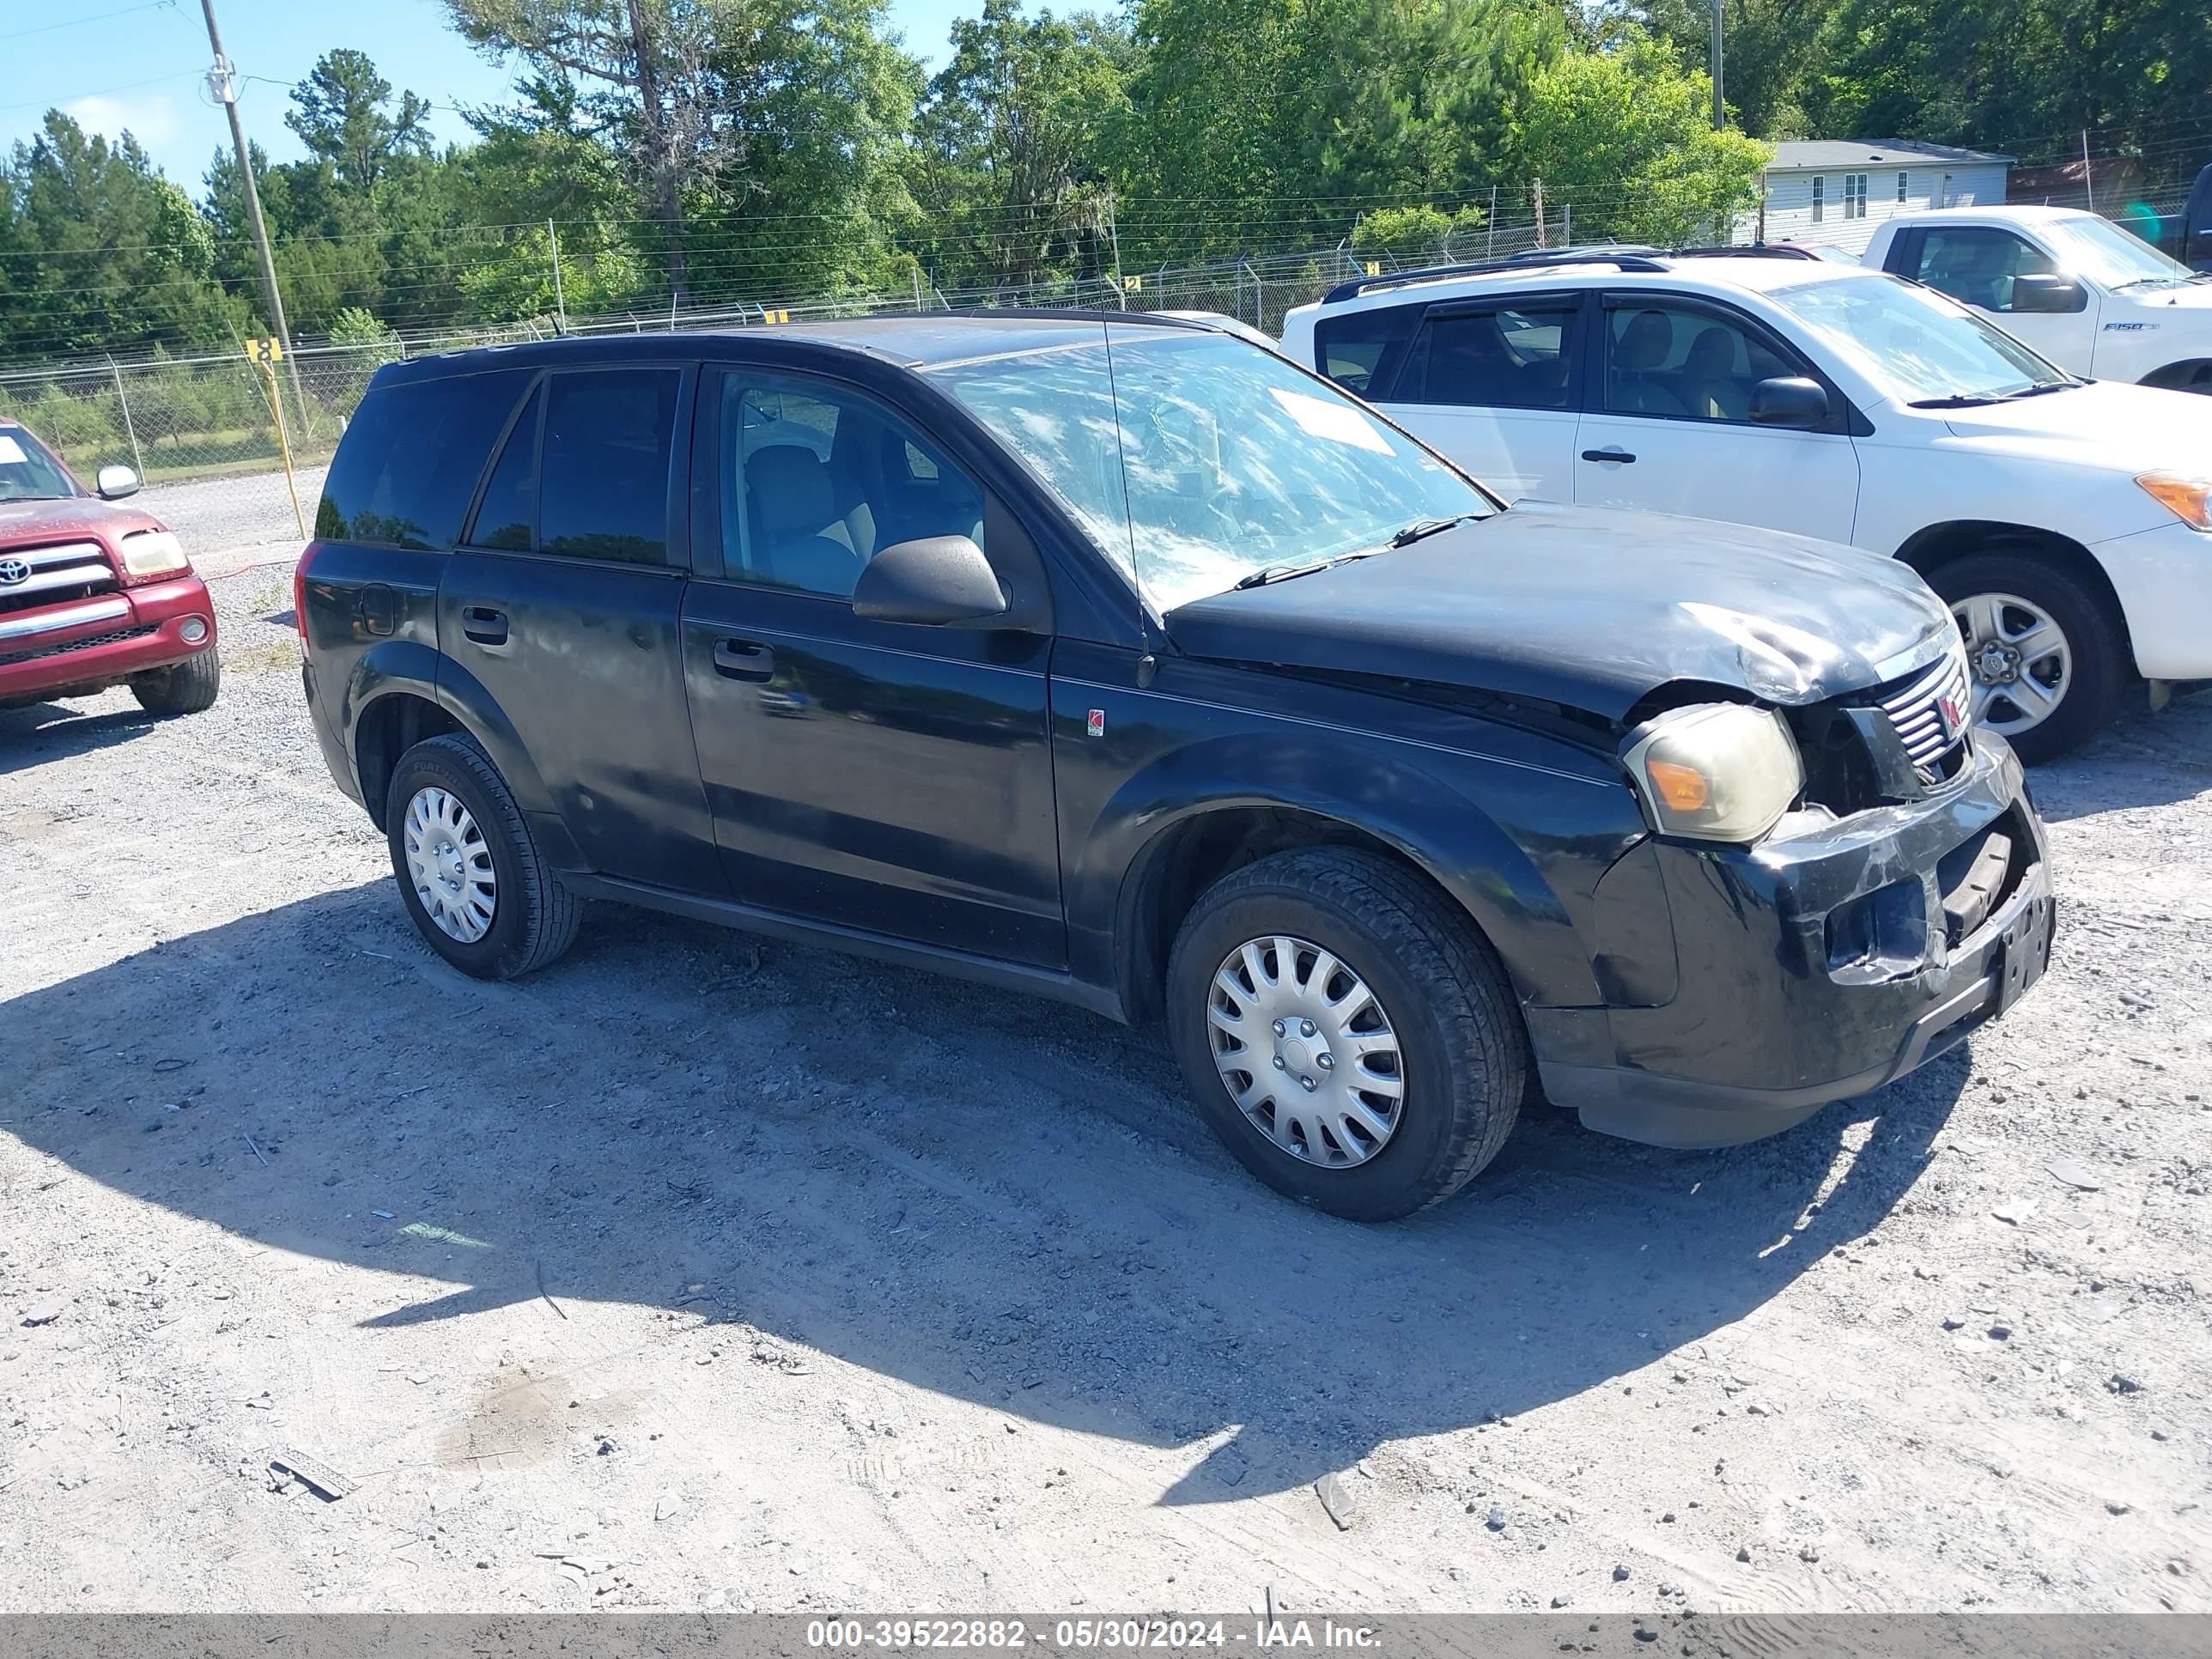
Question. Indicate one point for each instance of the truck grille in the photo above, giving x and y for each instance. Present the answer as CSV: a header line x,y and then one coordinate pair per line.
x,y
9,659
52,575
1931,713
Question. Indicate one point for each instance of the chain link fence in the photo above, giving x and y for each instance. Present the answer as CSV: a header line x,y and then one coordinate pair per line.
x,y
209,435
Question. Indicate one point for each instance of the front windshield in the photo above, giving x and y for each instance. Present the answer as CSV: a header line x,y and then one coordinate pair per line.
x,y
27,471
2101,250
1919,345
1218,458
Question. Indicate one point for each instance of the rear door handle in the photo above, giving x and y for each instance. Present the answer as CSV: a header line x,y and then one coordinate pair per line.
x,y
483,624
742,659
1611,452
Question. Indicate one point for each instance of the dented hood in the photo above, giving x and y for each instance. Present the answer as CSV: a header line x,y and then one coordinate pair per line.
x,y
1592,608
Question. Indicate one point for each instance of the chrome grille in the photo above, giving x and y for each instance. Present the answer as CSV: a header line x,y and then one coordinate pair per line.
x,y
49,575
1932,712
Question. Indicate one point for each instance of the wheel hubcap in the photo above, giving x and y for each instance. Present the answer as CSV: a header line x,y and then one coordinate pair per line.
x,y
2022,660
450,865
1306,1051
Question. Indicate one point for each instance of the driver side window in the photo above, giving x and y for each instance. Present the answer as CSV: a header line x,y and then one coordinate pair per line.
x,y
1976,265
815,479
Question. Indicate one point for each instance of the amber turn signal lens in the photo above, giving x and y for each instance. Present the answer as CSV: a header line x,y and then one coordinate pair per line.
x,y
1682,788
2189,500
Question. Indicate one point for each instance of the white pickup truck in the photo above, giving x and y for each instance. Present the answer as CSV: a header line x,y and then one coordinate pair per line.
x,y
2087,294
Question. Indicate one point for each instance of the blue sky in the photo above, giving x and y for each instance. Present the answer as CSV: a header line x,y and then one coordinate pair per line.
x,y
115,64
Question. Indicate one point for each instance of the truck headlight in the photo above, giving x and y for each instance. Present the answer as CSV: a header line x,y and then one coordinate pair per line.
x,y
1715,772
2189,500
154,553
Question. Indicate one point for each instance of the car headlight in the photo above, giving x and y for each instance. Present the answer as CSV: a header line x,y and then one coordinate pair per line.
x,y
2190,500
154,553
1716,772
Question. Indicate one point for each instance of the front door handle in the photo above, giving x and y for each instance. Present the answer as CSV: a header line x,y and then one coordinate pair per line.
x,y
1611,452
742,659
483,624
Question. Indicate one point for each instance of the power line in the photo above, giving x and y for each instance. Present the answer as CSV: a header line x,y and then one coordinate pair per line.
x,y
97,17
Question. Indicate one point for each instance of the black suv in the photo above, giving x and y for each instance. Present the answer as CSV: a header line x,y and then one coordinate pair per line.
x,y
1128,663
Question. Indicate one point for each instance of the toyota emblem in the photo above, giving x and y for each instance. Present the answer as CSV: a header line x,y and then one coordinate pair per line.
x,y
13,573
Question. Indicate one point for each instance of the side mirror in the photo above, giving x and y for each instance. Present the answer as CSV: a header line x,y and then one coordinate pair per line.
x,y
2046,291
1789,400
935,582
114,483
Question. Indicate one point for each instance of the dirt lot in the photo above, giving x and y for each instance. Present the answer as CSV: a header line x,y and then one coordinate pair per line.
x,y
700,1273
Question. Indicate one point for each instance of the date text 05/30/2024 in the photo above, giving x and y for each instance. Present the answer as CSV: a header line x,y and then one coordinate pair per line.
x,y
995,1634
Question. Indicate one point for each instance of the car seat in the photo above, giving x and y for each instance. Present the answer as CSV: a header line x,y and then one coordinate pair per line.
x,y
799,538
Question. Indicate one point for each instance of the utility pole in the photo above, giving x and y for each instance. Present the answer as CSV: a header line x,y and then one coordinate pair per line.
x,y
560,304
222,81
1720,96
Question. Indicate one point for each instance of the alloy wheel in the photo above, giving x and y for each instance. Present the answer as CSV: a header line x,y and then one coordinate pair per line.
x,y
2020,659
1306,1051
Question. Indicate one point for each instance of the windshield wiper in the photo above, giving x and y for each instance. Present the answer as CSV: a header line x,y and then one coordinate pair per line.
x,y
2153,281
1420,527
1281,573
2040,388
1956,400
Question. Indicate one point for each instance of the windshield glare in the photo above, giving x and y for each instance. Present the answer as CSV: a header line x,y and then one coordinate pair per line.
x,y
1218,459
27,472
1913,341
2101,250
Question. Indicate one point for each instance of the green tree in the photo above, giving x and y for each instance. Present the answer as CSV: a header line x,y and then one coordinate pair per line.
x,y
100,251
1404,234
1624,138
1012,137
342,114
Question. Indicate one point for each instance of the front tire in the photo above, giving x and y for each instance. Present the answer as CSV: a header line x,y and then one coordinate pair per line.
x,y
470,873
2047,659
186,687
1400,1061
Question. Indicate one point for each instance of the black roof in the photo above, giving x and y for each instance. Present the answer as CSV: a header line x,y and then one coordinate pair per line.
x,y
911,339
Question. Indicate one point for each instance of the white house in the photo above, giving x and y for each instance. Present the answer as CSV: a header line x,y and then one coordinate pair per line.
x,y
1833,191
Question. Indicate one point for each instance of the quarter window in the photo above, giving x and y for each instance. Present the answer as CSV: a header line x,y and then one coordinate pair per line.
x,y
1362,351
1683,364
815,480
1506,357
1977,264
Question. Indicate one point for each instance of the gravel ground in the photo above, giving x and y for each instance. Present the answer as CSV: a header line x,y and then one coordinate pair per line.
x,y
215,516
702,1271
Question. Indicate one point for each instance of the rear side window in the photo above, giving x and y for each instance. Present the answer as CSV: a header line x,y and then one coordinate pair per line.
x,y
411,459
1363,350
585,472
1508,357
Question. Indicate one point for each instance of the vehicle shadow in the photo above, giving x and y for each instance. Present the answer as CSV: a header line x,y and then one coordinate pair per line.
x,y
2142,759
986,1196
31,734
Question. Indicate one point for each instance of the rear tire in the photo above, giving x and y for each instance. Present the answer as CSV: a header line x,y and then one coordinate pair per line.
x,y
187,687
449,813
2099,664
1459,1053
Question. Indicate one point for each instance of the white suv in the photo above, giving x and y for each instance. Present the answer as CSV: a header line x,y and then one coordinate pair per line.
x,y
2068,523
2084,293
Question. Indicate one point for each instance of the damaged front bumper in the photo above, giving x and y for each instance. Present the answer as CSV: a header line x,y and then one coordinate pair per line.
x,y
1814,966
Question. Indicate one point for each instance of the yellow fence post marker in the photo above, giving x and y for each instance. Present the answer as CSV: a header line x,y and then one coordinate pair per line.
x,y
265,354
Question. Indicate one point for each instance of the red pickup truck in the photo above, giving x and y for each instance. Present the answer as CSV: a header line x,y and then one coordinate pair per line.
x,y
94,594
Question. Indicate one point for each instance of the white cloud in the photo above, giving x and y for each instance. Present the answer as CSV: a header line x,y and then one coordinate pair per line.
x,y
152,121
